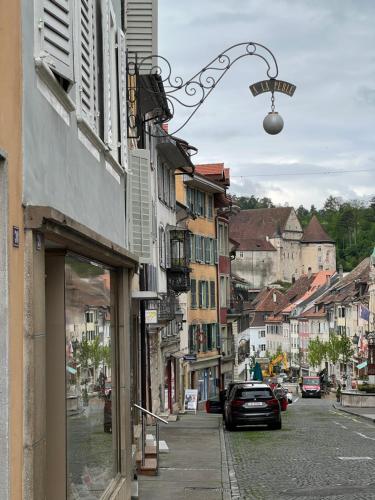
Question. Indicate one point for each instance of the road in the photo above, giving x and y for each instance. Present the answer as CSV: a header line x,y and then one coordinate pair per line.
x,y
320,453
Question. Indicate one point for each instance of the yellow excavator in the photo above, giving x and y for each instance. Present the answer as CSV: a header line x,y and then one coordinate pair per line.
x,y
280,358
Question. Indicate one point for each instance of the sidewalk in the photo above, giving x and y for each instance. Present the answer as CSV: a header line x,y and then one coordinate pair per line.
x,y
367,413
196,465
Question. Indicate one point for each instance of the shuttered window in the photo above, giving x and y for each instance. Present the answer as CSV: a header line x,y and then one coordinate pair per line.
x,y
193,288
122,95
140,203
56,36
111,135
212,295
87,65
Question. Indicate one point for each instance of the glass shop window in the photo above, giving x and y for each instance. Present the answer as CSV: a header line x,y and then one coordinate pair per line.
x,y
90,386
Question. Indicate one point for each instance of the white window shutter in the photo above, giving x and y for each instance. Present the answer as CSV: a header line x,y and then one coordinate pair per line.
x,y
87,67
122,94
167,249
56,31
141,204
109,83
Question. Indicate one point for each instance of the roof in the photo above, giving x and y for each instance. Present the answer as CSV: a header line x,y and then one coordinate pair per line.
x,y
215,171
315,233
346,288
269,300
252,228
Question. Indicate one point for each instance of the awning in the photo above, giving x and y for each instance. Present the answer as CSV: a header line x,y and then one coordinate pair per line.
x,y
362,365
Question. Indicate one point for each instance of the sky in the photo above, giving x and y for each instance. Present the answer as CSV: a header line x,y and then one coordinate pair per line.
x,y
325,48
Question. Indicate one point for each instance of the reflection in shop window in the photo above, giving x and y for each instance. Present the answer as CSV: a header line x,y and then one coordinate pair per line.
x,y
91,445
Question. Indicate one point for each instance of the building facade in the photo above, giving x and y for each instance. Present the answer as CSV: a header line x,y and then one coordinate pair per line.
x,y
274,247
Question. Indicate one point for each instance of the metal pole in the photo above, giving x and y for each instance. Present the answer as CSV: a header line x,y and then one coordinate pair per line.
x,y
157,444
143,438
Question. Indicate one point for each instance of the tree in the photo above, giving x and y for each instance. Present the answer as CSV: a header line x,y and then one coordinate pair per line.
x,y
317,352
334,348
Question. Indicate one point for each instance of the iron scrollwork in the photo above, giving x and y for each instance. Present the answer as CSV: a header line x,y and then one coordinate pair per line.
x,y
193,92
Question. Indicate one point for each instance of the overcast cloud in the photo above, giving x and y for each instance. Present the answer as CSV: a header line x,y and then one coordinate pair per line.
x,y
324,47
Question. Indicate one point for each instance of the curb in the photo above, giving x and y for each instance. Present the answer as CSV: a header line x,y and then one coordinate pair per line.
x,y
225,475
344,410
233,488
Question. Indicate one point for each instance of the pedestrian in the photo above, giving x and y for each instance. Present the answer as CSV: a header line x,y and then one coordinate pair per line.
x,y
338,392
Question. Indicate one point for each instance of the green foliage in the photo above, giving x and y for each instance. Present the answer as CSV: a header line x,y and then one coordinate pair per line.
x,y
317,351
338,347
246,202
350,223
370,388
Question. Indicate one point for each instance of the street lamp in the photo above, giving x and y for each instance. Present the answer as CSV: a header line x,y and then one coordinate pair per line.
x,y
147,79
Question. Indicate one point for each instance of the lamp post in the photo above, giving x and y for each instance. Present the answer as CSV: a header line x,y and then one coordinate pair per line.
x,y
171,91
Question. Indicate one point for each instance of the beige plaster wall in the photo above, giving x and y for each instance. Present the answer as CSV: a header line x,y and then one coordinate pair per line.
x,y
11,142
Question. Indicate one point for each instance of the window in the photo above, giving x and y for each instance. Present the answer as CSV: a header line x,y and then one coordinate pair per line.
x,y
192,338
205,338
110,88
193,286
162,247
89,361
210,205
207,250
201,203
223,239
203,294
223,294
192,248
262,347
212,295
198,249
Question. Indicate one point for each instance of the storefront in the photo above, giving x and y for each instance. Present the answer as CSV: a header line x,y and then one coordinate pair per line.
x,y
81,289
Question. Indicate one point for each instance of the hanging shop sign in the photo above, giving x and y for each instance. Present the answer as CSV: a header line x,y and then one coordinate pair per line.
x,y
151,316
190,357
272,85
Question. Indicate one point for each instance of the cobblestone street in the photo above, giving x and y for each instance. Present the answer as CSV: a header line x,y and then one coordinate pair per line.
x,y
320,453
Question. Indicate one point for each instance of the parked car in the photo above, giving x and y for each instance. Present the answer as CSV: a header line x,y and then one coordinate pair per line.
x,y
252,403
216,404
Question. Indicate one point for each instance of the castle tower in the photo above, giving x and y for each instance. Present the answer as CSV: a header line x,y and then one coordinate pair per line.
x,y
318,250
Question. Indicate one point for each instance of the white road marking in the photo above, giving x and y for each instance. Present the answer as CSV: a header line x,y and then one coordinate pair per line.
x,y
354,458
342,426
364,436
295,401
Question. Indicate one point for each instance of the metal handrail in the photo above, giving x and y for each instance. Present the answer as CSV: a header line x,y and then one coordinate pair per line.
x,y
152,414
144,412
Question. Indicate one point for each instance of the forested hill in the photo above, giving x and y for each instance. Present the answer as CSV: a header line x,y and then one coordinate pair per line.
x,y
350,223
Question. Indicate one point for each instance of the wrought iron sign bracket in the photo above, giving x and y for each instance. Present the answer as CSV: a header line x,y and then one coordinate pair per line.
x,y
152,87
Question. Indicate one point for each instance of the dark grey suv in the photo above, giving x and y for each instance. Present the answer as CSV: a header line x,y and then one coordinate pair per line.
x,y
252,404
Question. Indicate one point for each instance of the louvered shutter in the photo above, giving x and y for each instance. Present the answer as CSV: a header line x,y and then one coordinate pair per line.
x,y
87,68
110,104
56,31
141,204
122,95
167,249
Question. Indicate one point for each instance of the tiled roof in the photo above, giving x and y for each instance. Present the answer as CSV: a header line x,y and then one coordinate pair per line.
x,y
251,228
315,233
214,171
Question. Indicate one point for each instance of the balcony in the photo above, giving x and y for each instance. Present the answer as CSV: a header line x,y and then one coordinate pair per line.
x,y
165,307
178,272
236,308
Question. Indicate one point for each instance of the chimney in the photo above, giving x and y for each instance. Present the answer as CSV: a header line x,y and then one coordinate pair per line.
x,y
341,272
309,272
274,298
